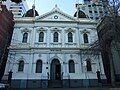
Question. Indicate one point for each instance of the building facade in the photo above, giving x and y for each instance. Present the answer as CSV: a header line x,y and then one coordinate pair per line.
x,y
19,9
93,10
52,50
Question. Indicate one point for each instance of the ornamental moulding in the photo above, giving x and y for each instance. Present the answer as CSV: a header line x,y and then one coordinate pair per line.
x,y
26,30
41,29
70,30
85,31
56,29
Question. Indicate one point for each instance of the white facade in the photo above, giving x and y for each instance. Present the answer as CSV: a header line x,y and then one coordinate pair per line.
x,y
55,56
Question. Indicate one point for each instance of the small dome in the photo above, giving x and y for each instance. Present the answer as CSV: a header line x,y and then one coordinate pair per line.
x,y
81,14
30,13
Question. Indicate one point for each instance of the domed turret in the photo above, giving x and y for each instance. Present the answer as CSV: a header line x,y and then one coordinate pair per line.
x,y
80,13
31,13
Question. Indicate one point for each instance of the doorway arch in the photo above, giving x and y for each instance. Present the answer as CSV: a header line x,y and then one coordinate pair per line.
x,y
55,70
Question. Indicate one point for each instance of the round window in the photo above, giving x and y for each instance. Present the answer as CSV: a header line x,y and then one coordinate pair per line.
x,y
55,17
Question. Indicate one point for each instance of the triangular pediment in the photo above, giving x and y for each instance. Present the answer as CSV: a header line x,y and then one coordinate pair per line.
x,y
56,15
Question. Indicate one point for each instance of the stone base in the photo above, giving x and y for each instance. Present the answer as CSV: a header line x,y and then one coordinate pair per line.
x,y
65,83
117,77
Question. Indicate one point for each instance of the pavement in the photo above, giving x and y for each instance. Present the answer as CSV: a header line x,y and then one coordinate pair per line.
x,y
87,88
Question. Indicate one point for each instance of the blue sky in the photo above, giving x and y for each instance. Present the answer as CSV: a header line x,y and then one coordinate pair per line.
x,y
43,6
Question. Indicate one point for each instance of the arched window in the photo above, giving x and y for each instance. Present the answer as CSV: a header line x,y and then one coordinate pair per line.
x,y
39,66
21,66
85,36
71,66
89,68
70,37
55,37
25,36
41,37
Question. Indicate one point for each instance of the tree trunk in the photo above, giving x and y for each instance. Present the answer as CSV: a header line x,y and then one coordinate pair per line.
x,y
112,72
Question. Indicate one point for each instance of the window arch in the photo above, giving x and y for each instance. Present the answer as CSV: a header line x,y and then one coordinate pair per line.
x,y
85,36
21,66
39,66
25,36
70,37
89,68
55,37
71,66
41,37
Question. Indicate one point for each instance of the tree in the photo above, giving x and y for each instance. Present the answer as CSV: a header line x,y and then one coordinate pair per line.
x,y
113,12
111,33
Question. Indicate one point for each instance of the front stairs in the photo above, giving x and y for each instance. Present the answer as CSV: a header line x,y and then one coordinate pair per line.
x,y
55,83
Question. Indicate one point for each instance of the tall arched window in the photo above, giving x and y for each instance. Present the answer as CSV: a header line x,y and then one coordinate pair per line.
x,y
21,66
25,36
89,68
55,37
71,66
70,37
85,36
41,37
39,66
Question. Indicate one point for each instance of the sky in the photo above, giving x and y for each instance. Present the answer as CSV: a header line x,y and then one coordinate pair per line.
x,y
43,6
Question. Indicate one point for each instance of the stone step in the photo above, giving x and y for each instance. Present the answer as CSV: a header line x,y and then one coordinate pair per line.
x,y
55,83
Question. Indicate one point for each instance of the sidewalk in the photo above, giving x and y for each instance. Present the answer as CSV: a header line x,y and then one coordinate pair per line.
x,y
96,88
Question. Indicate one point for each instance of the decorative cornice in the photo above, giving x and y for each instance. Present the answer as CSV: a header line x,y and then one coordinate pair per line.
x,y
41,29
85,31
70,29
26,30
55,29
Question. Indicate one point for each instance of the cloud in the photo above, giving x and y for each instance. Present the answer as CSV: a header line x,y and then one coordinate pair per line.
x,y
30,3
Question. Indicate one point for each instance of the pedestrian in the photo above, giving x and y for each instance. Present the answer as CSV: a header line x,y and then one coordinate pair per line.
x,y
98,76
10,77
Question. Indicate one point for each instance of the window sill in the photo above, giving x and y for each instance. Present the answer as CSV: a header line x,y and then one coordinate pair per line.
x,y
71,43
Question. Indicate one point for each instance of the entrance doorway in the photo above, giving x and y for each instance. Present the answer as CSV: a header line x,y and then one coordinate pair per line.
x,y
55,70
55,74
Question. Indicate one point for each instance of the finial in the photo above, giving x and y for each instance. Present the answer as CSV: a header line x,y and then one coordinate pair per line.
x,y
33,7
56,5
